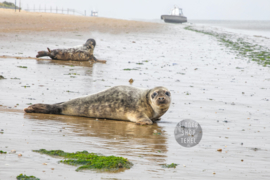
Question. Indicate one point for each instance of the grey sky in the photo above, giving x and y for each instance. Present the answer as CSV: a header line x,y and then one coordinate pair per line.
x,y
152,9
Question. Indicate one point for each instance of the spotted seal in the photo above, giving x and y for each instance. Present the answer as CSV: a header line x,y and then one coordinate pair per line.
x,y
142,106
82,53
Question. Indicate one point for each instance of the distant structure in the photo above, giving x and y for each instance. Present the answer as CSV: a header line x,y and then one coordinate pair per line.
x,y
176,16
94,13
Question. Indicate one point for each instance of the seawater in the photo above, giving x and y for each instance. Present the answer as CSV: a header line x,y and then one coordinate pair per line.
x,y
253,28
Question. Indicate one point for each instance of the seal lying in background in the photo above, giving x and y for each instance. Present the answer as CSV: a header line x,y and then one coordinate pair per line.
x,y
82,53
142,106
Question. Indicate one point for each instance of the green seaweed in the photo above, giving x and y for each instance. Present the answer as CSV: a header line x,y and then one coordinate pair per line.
x,y
15,78
169,165
128,69
3,152
248,50
72,74
24,177
88,160
22,66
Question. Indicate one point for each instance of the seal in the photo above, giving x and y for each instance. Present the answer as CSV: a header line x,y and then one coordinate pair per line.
x,y
142,106
82,53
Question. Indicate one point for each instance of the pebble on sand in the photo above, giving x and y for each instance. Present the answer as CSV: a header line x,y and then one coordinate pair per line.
x,y
219,150
131,81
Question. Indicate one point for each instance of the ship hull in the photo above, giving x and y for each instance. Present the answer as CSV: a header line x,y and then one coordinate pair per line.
x,y
174,19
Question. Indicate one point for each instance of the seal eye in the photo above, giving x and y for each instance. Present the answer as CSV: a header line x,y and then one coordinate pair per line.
x,y
168,93
153,95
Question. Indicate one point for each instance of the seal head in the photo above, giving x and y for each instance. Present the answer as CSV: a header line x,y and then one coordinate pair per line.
x,y
160,99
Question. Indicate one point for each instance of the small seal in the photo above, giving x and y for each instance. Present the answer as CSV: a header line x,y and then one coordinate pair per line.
x,y
142,106
82,53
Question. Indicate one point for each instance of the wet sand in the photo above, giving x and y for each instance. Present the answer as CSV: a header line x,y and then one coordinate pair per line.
x,y
227,96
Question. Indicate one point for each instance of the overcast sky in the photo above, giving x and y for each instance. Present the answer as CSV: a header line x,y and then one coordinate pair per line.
x,y
152,9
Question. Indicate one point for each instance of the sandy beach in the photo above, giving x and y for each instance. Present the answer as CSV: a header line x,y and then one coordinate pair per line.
x,y
228,95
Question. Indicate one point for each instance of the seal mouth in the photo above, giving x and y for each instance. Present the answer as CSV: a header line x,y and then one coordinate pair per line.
x,y
162,101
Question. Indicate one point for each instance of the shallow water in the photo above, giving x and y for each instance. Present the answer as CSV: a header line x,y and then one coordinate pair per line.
x,y
261,28
229,97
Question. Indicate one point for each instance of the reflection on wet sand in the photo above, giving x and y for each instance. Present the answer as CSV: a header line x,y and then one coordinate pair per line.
x,y
88,64
124,137
66,63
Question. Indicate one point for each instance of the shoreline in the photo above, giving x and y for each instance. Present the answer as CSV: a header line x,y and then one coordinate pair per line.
x,y
244,27
244,46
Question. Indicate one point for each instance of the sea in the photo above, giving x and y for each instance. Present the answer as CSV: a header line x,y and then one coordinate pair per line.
x,y
254,28
247,27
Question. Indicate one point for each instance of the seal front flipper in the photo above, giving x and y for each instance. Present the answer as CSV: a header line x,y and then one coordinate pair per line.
x,y
44,108
143,120
155,120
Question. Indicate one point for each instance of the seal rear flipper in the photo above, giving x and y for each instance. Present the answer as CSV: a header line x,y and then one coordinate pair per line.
x,y
44,108
42,54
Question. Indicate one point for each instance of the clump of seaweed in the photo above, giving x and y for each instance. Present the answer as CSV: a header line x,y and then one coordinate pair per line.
x,y
128,69
169,165
254,52
3,152
24,177
89,160
22,66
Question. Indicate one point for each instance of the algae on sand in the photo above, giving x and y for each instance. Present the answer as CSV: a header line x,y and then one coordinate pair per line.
x,y
3,152
254,52
88,160
24,177
173,165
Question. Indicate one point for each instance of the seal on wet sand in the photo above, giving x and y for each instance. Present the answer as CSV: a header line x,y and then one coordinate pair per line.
x,y
142,106
82,53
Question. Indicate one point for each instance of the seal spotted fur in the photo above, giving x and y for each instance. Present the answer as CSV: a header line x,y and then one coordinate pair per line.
x,y
142,106
82,53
